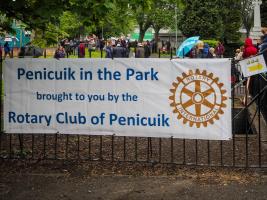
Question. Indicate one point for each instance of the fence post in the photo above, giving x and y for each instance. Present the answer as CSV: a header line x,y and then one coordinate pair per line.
x,y
259,101
159,53
1,85
90,53
233,125
44,53
101,51
171,53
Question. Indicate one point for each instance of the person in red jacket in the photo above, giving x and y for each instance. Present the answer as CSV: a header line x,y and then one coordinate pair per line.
x,y
249,49
81,50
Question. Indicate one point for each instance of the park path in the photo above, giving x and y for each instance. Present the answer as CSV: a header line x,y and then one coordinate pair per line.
x,y
74,182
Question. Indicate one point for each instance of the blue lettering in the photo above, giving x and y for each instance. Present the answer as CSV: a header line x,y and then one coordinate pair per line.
x,y
21,72
112,118
11,117
59,120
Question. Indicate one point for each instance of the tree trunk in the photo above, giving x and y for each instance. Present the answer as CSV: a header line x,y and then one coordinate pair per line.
x,y
156,38
247,32
141,35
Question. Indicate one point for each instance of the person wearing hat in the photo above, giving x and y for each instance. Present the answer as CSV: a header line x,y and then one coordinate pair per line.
x,y
146,50
140,51
119,51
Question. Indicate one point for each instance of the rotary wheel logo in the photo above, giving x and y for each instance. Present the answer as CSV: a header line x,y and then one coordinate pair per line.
x,y
198,98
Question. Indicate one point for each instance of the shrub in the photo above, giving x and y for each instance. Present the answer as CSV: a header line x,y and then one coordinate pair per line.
x,y
211,43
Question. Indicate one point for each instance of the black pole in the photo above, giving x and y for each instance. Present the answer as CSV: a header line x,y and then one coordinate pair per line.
x,y
101,51
159,53
1,85
171,52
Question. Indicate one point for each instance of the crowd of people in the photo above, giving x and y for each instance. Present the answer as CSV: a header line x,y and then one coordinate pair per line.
x,y
203,50
124,48
121,48
250,50
114,48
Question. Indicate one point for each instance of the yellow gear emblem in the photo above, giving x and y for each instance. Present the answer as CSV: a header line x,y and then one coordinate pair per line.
x,y
198,98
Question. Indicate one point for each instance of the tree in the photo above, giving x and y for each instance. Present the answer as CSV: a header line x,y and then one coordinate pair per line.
x,y
231,19
264,13
247,15
71,24
161,16
141,10
34,14
5,24
91,11
120,20
42,15
201,18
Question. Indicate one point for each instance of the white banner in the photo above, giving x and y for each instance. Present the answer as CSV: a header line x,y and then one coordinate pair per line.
x,y
184,98
253,66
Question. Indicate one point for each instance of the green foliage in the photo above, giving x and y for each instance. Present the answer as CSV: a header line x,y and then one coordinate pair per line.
x,y
35,14
201,18
70,23
158,14
50,37
41,14
142,10
211,43
119,21
231,18
5,24
264,13
91,11
161,15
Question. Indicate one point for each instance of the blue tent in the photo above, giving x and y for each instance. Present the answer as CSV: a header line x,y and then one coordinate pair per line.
x,y
19,39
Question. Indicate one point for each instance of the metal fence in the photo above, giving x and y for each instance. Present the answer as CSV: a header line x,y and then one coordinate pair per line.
x,y
248,148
